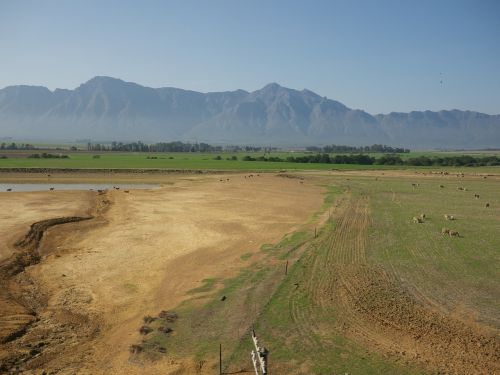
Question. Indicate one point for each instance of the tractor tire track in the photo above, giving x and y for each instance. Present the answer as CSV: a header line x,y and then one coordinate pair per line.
x,y
373,308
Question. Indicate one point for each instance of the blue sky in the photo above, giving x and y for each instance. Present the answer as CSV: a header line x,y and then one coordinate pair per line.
x,y
380,56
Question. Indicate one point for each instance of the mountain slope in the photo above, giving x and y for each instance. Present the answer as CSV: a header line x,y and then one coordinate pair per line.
x,y
109,108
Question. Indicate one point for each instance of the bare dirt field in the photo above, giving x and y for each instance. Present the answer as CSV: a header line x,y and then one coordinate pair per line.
x,y
75,293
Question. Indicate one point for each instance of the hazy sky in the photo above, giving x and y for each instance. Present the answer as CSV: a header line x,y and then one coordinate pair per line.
x,y
376,55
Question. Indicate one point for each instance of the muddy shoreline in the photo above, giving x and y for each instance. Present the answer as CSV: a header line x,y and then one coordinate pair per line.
x,y
155,171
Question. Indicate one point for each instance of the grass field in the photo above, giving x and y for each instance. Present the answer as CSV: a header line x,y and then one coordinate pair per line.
x,y
194,161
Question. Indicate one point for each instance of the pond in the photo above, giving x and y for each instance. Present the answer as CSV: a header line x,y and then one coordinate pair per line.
x,y
47,186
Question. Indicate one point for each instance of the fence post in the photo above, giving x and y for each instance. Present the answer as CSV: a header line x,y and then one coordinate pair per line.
x,y
220,359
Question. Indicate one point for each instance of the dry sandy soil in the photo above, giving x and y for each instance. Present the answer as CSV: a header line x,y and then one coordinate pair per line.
x,y
78,306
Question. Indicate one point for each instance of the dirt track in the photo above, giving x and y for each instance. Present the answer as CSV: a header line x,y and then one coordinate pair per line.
x,y
97,279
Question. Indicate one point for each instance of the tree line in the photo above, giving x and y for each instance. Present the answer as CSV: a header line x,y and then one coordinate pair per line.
x,y
15,146
46,155
176,146
375,148
363,159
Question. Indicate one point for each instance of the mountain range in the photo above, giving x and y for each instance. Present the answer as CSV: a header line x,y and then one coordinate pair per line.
x,y
105,108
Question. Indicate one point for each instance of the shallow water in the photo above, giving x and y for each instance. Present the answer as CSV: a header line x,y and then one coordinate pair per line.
x,y
47,186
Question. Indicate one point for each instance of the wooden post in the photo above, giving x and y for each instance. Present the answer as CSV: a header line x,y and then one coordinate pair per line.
x,y
220,359
286,268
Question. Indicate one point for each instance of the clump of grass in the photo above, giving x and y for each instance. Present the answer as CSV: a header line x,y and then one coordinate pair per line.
x,y
267,247
246,256
207,286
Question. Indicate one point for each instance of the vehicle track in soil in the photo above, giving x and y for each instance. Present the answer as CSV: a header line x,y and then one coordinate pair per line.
x,y
373,308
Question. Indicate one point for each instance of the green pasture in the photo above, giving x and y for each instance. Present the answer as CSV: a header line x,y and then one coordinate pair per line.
x,y
462,274
195,161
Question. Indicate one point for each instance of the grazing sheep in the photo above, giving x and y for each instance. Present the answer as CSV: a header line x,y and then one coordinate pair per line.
x,y
487,205
476,196
445,231
454,233
422,216
449,217
441,186
417,220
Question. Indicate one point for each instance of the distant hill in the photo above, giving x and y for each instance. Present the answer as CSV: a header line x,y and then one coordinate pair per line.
x,y
109,108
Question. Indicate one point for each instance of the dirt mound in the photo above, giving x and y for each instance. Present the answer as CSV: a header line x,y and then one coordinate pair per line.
x,y
32,239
